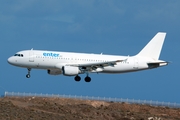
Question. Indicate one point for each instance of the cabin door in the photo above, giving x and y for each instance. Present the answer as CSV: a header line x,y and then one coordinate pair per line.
x,y
31,56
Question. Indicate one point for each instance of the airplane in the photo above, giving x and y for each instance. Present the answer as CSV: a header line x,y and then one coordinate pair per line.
x,y
73,64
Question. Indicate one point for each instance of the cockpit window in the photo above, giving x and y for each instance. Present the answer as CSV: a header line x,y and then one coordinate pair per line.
x,y
20,55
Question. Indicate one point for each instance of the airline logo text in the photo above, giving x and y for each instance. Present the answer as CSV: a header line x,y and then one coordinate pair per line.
x,y
50,55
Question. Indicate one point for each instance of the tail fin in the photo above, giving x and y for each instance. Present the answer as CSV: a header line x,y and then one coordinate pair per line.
x,y
153,48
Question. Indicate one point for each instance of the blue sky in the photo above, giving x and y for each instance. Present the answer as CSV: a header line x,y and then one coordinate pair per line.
x,y
120,27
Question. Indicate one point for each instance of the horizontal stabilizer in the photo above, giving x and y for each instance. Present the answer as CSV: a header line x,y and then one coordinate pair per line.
x,y
157,64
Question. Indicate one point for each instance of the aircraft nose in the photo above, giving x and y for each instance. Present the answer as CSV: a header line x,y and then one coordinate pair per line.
x,y
11,60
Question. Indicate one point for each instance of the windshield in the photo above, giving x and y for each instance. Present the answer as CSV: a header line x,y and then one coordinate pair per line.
x,y
20,55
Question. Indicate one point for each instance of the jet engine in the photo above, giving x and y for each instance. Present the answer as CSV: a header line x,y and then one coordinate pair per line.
x,y
70,70
54,71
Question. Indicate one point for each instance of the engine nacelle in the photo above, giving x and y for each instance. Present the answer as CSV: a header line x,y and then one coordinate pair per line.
x,y
54,72
70,70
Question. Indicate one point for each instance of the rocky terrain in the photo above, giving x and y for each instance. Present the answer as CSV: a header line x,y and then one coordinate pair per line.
x,y
38,108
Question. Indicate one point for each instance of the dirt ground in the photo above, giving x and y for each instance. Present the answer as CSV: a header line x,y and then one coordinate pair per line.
x,y
38,108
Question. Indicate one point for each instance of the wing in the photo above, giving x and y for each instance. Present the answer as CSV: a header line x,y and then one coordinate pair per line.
x,y
97,66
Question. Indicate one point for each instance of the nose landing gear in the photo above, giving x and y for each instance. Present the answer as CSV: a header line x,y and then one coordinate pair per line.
x,y
28,75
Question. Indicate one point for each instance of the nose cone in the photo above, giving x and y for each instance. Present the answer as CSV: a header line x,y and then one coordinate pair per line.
x,y
11,61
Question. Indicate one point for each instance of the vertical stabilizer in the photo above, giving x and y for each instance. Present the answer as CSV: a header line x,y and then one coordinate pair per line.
x,y
153,48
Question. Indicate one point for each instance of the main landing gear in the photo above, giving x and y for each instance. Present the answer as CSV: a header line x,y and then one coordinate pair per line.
x,y
87,79
78,78
28,75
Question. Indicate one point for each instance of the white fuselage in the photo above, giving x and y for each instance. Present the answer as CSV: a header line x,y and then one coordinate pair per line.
x,y
39,59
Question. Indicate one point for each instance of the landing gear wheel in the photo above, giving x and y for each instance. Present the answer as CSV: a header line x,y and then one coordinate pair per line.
x,y
28,76
77,78
87,79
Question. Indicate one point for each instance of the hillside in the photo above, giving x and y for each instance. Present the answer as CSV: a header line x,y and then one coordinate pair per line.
x,y
37,108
